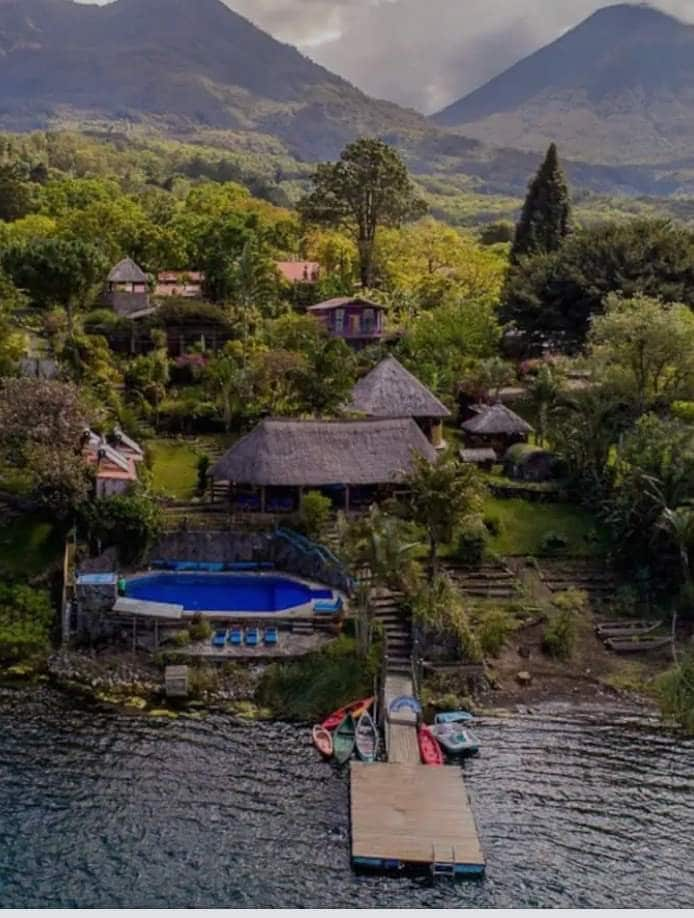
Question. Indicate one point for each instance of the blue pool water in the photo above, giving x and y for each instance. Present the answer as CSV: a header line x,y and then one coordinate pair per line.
x,y
224,592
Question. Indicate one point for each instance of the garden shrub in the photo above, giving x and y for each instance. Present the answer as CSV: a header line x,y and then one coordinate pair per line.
x,y
493,631
310,688
675,692
26,616
559,637
130,522
203,467
200,629
181,638
472,543
493,525
572,600
553,542
314,514
202,679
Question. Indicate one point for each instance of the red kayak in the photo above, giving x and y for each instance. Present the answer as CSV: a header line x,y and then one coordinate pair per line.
x,y
429,749
356,709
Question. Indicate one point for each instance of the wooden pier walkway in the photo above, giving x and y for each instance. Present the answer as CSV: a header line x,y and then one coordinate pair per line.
x,y
405,814
413,815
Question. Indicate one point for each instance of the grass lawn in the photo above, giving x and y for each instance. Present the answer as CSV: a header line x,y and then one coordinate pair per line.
x,y
524,525
175,462
29,545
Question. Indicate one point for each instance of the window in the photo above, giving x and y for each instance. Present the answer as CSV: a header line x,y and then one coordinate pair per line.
x,y
368,321
339,320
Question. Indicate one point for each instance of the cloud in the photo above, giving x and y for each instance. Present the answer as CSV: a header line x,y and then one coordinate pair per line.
x,y
423,53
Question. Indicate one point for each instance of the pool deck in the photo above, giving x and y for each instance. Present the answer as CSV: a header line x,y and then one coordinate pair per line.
x,y
289,646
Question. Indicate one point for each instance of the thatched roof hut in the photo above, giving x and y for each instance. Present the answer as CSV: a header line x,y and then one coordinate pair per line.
x,y
497,421
497,427
391,391
127,272
289,453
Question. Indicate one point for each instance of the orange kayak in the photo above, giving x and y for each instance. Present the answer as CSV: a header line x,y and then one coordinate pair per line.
x,y
323,741
356,709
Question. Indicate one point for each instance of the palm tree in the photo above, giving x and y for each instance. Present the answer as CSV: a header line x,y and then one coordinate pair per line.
x,y
439,498
376,550
543,393
679,524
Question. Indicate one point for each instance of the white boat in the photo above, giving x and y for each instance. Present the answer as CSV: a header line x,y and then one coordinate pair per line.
x,y
456,739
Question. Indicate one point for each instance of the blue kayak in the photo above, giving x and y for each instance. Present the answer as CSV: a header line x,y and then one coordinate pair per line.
x,y
452,717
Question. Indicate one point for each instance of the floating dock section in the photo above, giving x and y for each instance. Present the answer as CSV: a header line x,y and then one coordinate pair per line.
x,y
408,815
413,816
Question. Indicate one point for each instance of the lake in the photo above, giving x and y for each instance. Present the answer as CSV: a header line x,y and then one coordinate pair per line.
x,y
102,809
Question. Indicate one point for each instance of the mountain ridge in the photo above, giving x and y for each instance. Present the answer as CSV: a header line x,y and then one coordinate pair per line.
x,y
619,86
206,65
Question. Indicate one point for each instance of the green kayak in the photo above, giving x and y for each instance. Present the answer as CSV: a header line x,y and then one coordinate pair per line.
x,y
343,740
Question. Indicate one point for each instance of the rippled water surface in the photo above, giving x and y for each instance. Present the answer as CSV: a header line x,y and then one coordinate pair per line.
x,y
99,809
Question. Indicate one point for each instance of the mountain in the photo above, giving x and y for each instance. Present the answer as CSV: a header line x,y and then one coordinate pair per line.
x,y
619,87
178,65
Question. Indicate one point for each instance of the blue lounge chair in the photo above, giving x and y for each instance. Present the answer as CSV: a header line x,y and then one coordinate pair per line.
x,y
219,637
252,637
327,606
271,636
235,636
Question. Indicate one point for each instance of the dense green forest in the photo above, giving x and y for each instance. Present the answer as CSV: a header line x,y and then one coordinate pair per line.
x,y
589,320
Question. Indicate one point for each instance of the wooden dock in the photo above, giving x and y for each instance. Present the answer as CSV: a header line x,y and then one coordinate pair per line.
x,y
413,816
409,815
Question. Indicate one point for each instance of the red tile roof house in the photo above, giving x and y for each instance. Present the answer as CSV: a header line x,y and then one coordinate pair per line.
x,y
359,322
299,272
187,284
115,465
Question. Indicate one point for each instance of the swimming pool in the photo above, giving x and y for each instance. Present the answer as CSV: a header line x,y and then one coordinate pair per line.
x,y
224,592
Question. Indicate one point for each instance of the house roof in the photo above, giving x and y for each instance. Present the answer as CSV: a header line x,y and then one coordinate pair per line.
x,y
127,272
299,271
175,277
391,391
339,302
123,441
497,420
316,453
478,455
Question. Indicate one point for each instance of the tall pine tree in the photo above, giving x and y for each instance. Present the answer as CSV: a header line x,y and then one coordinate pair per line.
x,y
546,216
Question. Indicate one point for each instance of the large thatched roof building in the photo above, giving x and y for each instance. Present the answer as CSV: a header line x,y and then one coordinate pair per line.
x,y
391,391
270,467
496,426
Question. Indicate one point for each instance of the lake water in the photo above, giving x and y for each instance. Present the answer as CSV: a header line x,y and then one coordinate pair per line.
x,y
103,809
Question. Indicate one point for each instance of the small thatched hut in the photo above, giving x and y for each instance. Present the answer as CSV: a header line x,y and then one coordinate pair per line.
x,y
483,458
496,427
127,288
353,462
391,391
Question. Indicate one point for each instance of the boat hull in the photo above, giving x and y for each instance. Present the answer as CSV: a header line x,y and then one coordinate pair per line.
x,y
456,740
429,749
366,738
323,741
344,740
356,709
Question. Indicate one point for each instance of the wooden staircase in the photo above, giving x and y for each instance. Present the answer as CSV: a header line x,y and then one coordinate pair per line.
x,y
397,629
490,580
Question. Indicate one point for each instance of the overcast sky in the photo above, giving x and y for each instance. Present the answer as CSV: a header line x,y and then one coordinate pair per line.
x,y
422,53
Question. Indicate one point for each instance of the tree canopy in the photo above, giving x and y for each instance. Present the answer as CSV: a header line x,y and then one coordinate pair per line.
x,y
367,188
546,217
